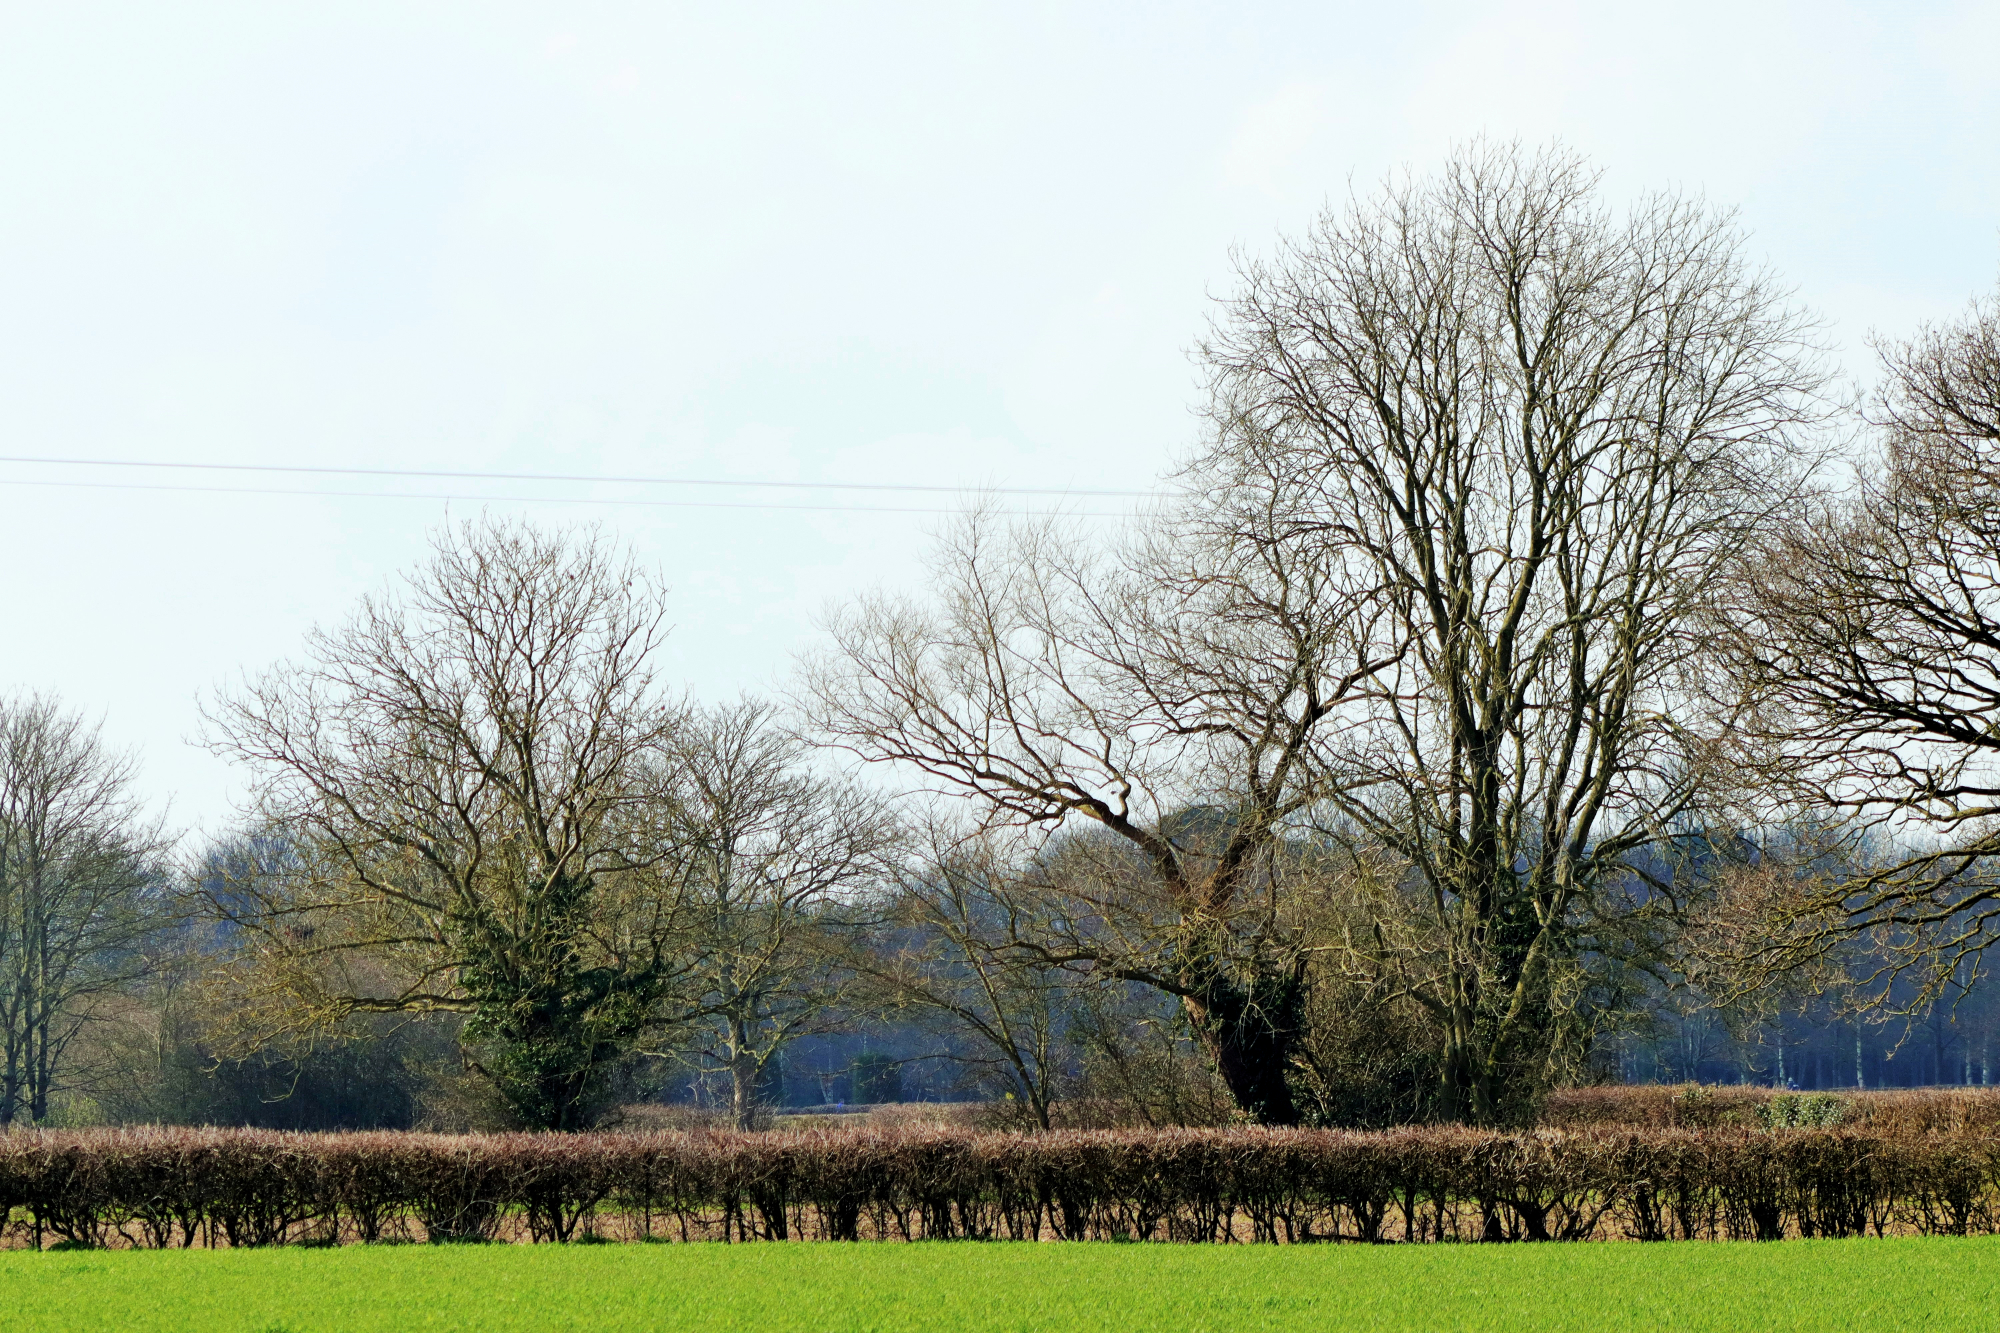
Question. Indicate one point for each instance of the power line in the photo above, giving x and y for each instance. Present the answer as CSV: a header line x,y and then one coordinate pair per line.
x,y
566,477
531,499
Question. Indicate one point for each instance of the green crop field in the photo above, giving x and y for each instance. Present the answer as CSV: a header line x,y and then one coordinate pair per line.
x,y
970,1288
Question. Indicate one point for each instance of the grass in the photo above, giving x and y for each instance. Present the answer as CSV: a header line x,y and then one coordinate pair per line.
x,y
973,1288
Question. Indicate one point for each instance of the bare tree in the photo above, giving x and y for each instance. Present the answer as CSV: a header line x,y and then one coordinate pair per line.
x,y
1864,637
776,859
1169,694
81,888
474,785
1535,430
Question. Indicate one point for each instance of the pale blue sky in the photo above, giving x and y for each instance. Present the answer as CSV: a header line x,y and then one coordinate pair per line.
x,y
950,244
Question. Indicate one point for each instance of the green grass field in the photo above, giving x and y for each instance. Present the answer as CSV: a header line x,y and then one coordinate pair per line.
x,y
971,1288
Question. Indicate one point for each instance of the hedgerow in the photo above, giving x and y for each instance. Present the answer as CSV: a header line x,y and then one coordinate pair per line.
x,y
183,1187
1894,1111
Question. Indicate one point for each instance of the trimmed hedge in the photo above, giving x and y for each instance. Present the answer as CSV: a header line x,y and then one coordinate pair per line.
x,y
172,1187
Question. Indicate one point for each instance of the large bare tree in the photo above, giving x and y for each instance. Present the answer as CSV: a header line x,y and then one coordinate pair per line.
x,y
1169,694
1536,429
1863,634
472,786
82,886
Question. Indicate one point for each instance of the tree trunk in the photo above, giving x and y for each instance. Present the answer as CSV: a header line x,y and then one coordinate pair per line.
x,y
40,1072
1249,1032
743,1092
1468,1094
744,1068
10,1090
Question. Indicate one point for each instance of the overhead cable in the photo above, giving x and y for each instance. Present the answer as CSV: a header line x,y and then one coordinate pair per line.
x,y
578,477
536,499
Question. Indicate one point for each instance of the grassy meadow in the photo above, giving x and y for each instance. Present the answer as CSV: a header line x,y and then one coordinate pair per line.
x,y
1825,1286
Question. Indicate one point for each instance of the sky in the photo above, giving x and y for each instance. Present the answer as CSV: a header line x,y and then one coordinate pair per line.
x,y
959,246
